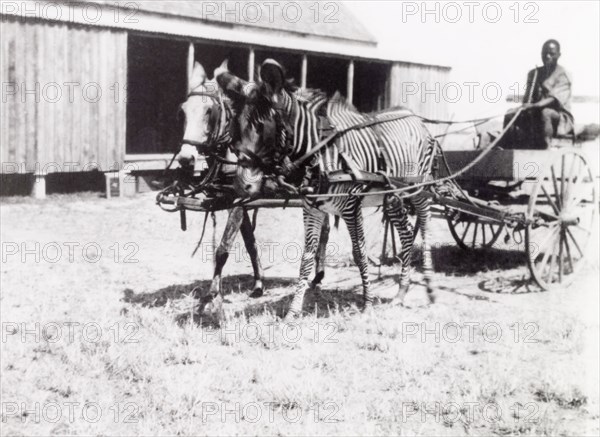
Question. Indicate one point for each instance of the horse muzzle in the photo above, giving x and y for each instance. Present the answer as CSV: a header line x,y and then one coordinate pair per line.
x,y
248,182
187,156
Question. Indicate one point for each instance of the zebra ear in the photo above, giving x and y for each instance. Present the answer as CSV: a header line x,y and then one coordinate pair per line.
x,y
273,75
233,87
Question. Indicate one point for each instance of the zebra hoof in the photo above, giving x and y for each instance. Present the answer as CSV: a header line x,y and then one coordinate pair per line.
x,y
431,296
430,291
317,281
367,310
290,316
398,300
214,307
215,287
258,289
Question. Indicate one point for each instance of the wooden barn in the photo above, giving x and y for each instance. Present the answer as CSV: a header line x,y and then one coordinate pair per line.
x,y
95,86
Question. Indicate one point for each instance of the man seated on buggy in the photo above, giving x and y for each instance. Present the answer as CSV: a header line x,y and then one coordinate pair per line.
x,y
546,107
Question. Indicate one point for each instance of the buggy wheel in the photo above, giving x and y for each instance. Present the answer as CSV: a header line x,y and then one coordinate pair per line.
x,y
561,215
471,232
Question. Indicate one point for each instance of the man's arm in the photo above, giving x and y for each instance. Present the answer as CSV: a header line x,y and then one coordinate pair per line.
x,y
530,86
558,92
548,101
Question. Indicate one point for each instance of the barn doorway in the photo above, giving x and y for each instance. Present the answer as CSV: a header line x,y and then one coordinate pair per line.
x,y
156,86
211,55
327,74
370,85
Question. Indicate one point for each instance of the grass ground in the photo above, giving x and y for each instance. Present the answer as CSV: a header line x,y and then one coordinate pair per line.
x,y
103,341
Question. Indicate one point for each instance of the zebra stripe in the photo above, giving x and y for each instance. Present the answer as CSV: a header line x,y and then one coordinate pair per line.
x,y
237,219
407,150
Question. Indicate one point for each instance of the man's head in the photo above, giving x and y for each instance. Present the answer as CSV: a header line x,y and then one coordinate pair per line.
x,y
550,53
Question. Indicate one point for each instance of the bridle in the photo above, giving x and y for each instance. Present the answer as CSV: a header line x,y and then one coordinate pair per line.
x,y
220,137
214,148
281,136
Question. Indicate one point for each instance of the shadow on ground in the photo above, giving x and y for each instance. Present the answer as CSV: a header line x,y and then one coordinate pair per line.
x,y
320,302
453,260
198,289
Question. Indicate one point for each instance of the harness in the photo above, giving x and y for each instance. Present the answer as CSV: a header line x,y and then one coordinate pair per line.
x,y
218,138
218,142
283,166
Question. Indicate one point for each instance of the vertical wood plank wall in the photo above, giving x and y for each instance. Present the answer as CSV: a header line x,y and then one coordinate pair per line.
x,y
48,125
419,88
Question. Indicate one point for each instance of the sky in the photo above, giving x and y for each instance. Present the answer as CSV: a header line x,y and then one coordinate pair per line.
x,y
481,40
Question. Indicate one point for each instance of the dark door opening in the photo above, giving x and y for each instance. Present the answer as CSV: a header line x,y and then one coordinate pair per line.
x,y
370,85
157,85
211,56
327,74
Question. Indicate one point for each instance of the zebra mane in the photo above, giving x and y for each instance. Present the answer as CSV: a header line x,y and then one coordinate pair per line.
x,y
338,100
308,94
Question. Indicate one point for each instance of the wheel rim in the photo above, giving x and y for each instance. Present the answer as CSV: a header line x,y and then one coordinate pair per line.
x,y
562,211
471,232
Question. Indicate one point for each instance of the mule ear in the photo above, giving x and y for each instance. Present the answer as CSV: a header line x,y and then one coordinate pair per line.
x,y
223,68
272,74
198,76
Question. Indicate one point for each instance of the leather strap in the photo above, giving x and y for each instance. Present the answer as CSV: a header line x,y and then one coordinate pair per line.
x,y
339,176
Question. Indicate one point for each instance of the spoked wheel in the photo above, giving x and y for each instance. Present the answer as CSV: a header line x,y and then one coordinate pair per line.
x,y
471,232
561,214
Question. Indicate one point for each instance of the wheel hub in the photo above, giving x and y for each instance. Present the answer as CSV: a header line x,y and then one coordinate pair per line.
x,y
567,219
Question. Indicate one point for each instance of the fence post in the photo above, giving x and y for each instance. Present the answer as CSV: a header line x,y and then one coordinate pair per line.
x,y
39,186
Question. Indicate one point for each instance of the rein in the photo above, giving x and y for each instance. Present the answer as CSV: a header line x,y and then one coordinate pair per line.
x,y
218,137
287,167
327,140
217,142
422,185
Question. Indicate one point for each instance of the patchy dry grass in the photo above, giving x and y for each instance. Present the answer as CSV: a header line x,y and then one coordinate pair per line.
x,y
492,356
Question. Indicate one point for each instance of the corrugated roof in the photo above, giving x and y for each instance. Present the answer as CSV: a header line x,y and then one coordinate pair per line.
x,y
329,19
346,38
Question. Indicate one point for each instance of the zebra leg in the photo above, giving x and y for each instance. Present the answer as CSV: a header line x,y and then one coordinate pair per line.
x,y
320,257
250,243
398,216
353,218
313,221
422,205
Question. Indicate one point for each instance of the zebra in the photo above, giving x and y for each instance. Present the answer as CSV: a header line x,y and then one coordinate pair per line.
x,y
396,143
207,117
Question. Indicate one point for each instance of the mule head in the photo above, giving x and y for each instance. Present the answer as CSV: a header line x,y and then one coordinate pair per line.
x,y
204,113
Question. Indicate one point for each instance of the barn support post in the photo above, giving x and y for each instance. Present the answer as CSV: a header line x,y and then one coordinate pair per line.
x,y
350,82
303,71
39,186
190,62
251,61
388,88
